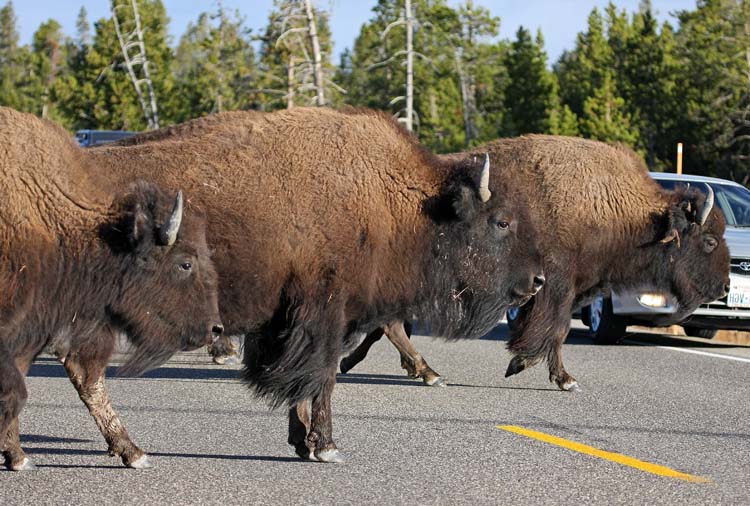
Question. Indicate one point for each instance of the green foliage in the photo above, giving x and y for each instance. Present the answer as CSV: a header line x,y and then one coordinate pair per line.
x,y
713,87
605,117
531,94
213,66
626,79
284,44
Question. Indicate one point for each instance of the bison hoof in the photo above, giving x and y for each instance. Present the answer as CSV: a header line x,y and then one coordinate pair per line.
x,y
344,366
516,365
142,462
332,456
226,360
230,360
304,452
435,382
24,465
571,386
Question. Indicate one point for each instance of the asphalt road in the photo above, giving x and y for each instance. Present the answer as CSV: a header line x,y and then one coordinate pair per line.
x,y
213,443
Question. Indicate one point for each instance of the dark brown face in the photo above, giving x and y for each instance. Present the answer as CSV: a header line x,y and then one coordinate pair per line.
x,y
701,264
488,251
698,262
169,297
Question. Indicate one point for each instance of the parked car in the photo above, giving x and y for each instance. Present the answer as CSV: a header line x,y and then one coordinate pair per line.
x,y
609,316
88,138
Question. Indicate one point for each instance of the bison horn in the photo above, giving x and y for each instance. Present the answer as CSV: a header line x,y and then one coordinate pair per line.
x,y
484,181
168,231
707,206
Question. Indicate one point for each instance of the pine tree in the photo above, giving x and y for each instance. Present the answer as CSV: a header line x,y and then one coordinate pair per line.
x,y
713,46
605,117
584,69
286,70
374,76
647,84
531,95
214,65
47,62
11,59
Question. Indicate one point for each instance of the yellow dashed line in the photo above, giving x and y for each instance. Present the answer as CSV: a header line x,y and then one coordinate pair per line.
x,y
595,452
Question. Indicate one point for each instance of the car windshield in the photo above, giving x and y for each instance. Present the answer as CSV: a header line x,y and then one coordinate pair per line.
x,y
734,201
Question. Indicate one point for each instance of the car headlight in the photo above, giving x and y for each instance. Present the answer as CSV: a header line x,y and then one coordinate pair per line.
x,y
652,300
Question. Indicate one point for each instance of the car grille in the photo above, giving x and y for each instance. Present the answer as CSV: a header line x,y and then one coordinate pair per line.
x,y
740,266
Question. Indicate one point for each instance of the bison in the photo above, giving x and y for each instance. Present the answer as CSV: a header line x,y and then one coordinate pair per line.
x,y
80,266
326,223
603,224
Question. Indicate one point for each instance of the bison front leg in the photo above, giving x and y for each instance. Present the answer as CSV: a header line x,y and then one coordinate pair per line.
x,y
88,380
13,397
399,333
311,427
299,427
539,334
321,423
359,354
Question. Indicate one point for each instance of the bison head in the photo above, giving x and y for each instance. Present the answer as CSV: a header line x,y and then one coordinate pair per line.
x,y
696,255
485,255
168,298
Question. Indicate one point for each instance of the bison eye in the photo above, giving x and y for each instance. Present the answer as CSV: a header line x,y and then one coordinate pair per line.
x,y
709,244
186,266
503,225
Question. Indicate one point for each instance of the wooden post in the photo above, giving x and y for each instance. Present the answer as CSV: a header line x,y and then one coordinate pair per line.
x,y
679,158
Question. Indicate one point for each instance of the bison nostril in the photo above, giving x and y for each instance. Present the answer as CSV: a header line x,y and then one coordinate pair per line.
x,y
727,287
217,330
538,281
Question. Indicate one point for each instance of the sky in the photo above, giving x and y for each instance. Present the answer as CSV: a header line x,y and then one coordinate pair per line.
x,y
559,20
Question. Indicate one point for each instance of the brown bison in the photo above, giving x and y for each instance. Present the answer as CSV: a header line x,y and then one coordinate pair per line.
x,y
603,223
80,266
328,223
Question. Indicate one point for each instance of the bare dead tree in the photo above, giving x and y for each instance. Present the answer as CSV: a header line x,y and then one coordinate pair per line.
x,y
130,36
305,73
408,21
312,32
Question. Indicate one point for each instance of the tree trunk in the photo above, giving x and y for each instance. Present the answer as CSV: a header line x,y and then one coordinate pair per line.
x,y
409,66
290,83
318,67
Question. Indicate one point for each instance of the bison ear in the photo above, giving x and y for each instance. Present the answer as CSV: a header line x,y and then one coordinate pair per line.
x,y
474,189
676,223
132,223
141,223
464,203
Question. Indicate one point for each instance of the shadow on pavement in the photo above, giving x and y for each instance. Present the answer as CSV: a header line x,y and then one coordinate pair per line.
x,y
75,451
36,438
51,369
376,379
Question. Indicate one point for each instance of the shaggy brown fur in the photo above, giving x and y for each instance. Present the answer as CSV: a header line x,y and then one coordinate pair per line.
x,y
80,265
327,222
601,220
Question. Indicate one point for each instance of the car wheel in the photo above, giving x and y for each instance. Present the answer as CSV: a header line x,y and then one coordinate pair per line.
x,y
605,326
696,332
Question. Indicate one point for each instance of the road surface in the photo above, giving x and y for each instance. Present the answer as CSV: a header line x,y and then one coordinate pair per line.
x,y
659,422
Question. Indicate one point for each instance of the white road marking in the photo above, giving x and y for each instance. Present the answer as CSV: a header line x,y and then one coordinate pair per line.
x,y
696,352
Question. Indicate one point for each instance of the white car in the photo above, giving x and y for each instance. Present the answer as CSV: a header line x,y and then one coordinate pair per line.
x,y
608,317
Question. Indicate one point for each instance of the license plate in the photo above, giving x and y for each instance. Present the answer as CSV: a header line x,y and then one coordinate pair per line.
x,y
739,295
